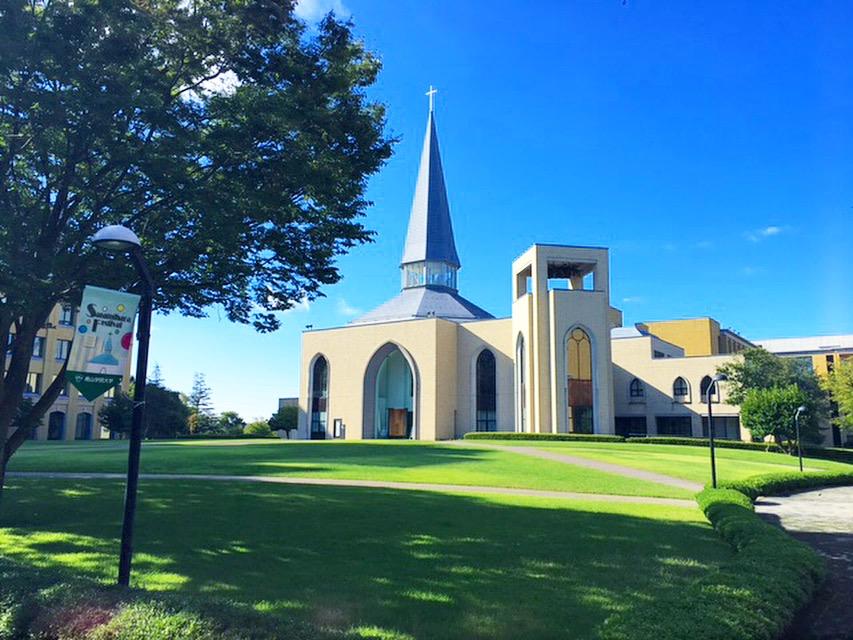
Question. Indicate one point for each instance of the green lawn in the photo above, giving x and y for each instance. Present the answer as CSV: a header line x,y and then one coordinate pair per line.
x,y
394,461
687,463
391,564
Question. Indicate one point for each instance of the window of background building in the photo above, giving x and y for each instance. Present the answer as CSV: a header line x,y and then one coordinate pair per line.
x,y
66,316
631,426
725,427
33,383
637,390
674,426
38,347
63,347
680,389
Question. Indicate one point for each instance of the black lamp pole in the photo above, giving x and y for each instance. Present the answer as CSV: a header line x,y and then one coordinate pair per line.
x,y
143,335
714,385
797,427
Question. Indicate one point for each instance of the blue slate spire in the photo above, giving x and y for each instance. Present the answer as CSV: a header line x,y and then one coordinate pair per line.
x,y
430,235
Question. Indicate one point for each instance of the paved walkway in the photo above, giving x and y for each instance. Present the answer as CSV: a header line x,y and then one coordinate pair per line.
x,y
373,484
823,519
606,467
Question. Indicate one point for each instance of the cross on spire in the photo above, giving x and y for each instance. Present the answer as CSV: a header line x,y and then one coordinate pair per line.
x,y
431,93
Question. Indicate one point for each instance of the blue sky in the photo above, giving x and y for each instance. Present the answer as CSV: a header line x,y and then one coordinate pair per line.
x,y
707,145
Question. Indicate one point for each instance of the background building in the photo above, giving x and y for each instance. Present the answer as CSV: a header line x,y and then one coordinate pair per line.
x,y
71,417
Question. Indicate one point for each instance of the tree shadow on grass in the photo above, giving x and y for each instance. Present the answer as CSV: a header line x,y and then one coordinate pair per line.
x,y
427,565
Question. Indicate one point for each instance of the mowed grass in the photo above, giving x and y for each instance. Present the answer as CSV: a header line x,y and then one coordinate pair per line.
x,y
687,463
390,461
389,564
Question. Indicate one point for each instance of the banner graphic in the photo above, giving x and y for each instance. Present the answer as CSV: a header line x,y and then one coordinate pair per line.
x,y
103,340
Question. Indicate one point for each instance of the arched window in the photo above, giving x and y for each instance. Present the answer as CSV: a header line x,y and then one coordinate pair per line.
x,y
319,398
680,389
637,390
56,426
579,369
83,428
486,392
704,386
521,400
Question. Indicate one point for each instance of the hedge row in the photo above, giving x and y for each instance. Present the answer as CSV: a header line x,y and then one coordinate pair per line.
x,y
774,484
754,597
50,605
572,437
704,442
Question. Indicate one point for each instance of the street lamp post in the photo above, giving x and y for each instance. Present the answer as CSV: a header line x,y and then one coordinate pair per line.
x,y
800,410
119,239
720,377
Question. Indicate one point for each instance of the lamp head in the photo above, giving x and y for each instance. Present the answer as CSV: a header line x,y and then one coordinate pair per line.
x,y
720,377
801,409
116,238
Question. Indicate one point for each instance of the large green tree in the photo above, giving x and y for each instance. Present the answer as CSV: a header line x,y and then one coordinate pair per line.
x,y
758,369
234,140
771,411
839,384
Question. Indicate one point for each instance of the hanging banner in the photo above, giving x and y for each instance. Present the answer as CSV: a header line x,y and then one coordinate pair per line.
x,y
103,341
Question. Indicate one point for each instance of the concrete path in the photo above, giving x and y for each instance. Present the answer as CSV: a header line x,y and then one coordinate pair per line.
x,y
606,467
823,519
372,484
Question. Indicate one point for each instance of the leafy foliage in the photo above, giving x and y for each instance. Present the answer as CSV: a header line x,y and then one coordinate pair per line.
x,y
231,423
235,142
166,413
770,412
839,384
116,416
774,484
760,369
285,419
260,428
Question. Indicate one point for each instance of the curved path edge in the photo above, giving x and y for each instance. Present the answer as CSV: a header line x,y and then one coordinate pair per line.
x,y
371,484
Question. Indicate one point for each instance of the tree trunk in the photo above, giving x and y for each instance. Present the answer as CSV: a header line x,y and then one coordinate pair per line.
x,y
14,383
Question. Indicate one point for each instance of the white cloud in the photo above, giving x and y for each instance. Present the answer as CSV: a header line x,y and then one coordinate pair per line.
x,y
765,232
301,306
223,84
316,10
633,299
346,309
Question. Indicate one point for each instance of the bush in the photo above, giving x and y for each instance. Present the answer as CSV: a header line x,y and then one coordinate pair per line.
x,y
223,436
755,597
49,604
704,442
568,437
259,428
774,484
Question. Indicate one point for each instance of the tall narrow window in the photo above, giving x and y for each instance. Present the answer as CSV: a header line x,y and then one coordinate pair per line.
x,y
56,426
66,316
705,386
319,398
521,400
83,428
579,368
486,392
680,390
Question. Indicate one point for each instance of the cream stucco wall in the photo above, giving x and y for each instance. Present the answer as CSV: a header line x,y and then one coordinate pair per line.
x,y
632,358
472,338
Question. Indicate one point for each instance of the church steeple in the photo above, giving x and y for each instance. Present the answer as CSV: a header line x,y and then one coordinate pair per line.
x,y
429,257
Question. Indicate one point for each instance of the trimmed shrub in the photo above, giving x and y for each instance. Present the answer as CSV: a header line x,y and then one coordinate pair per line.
x,y
223,436
830,453
566,437
704,442
51,604
755,597
774,484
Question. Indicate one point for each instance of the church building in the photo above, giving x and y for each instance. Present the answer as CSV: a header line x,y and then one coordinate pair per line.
x,y
431,365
